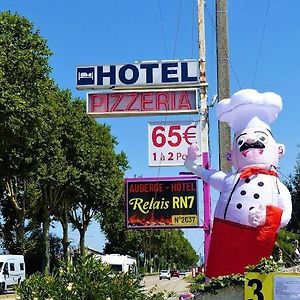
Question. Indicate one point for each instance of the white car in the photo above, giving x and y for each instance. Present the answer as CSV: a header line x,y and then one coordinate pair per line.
x,y
164,274
12,271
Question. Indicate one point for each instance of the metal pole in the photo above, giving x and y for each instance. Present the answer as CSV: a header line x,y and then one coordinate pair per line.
x,y
223,80
204,127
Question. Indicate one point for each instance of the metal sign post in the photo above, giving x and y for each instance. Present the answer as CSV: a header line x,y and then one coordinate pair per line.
x,y
204,128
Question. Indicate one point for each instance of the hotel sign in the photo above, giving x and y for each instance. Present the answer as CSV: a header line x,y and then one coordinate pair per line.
x,y
163,202
138,102
149,74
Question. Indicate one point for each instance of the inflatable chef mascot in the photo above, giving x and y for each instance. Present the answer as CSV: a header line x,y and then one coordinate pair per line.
x,y
253,203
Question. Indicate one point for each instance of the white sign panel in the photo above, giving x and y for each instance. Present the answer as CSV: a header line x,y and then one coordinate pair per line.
x,y
169,141
156,73
286,287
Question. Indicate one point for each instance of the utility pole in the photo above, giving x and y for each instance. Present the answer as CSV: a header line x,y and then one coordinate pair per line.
x,y
204,126
223,80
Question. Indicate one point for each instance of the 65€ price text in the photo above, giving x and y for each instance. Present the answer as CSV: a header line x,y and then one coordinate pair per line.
x,y
168,143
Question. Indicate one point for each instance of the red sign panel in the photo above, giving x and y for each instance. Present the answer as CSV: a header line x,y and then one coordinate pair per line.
x,y
130,103
164,202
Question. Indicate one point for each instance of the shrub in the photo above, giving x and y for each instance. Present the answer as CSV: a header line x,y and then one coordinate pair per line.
x,y
265,266
200,278
86,279
217,283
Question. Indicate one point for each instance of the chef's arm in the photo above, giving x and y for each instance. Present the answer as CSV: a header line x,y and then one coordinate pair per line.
x,y
213,177
285,203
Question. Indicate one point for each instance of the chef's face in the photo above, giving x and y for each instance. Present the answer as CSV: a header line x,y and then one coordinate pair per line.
x,y
254,147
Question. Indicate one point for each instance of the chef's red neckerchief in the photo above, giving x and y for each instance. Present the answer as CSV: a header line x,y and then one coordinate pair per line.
x,y
247,172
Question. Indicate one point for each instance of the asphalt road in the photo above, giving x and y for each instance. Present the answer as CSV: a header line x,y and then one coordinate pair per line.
x,y
176,285
8,296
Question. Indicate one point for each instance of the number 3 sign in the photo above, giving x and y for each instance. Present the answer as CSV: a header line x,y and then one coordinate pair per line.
x,y
168,141
259,286
272,286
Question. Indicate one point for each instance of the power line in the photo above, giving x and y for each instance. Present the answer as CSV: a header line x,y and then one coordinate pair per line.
x,y
177,27
194,14
261,42
228,59
162,28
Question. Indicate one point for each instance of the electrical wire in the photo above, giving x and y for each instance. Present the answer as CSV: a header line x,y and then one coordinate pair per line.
x,y
177,28
193,31
212,53
174,53
162,28
228,60
261,43
206,9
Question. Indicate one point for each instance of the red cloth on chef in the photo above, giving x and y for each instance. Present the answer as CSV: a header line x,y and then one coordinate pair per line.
x,y
234,246
247,172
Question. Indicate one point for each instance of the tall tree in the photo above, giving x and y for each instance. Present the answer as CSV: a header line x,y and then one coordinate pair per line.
x,y
154,249
53,175
294,187
100,172
53,157
24,72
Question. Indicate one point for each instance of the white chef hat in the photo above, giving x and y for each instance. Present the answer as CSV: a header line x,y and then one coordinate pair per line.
x,y
249,108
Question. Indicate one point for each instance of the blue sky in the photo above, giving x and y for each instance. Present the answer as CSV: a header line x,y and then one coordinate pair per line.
x,y
263,54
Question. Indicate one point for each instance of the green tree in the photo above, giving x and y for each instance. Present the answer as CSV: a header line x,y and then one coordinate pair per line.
x,y
154,249
24,72
55,161
288,239
52,176
294,187
285,247
99,172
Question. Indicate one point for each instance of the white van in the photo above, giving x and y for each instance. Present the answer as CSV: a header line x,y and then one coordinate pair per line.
x,y
120,263
12,271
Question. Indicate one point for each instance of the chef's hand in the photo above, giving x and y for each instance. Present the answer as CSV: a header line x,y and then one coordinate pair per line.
x,y
257,216
193,152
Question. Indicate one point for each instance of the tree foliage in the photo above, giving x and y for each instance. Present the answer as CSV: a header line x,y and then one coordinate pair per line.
x,y
53,157
99,171
24,71
24,84
154,249
294,187
57,163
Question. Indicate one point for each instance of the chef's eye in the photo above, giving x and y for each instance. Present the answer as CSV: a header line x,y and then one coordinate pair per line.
x,y
240,141
262,138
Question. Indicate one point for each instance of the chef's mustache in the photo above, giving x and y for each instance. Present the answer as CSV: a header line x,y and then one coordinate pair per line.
x,y
256,145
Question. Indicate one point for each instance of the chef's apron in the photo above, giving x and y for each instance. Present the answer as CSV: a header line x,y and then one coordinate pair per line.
x,y
234,246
